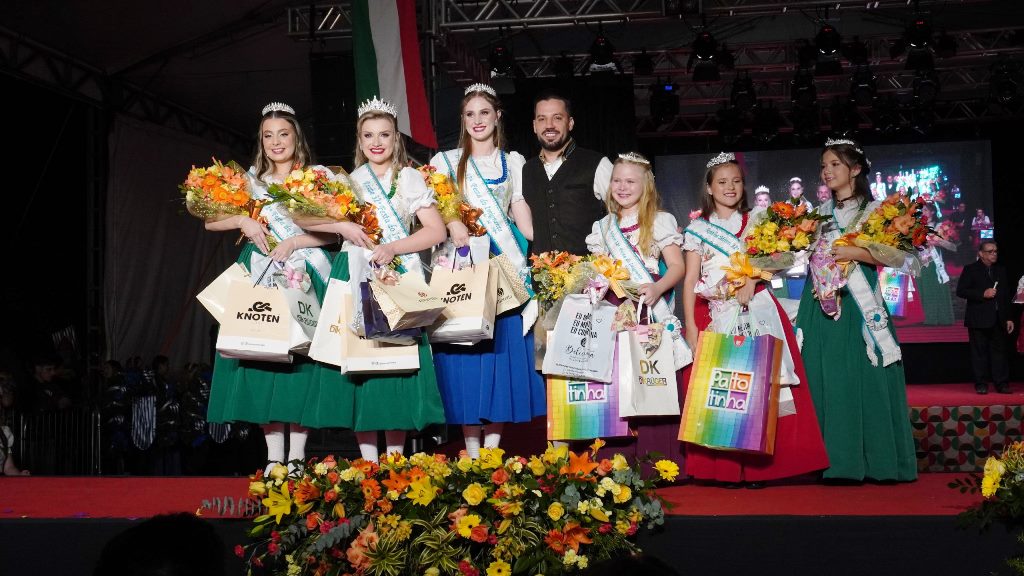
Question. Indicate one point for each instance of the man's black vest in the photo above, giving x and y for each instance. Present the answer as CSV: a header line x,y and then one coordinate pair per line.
x,y
564,208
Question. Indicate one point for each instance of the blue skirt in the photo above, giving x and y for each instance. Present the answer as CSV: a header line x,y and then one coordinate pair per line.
x,y
493,380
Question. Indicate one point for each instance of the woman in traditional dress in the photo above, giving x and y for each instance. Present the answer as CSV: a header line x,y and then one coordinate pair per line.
x,y
266,393
394,403
853,360
494,381
708,302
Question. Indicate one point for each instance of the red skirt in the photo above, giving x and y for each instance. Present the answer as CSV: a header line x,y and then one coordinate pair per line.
x,y
799,448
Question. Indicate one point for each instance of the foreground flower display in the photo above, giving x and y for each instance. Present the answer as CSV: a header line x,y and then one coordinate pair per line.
x,y
553,513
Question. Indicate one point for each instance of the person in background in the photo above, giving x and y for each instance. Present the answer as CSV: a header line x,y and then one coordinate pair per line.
x,y
762,197
824,194
980,225
44,391
796,191
987,318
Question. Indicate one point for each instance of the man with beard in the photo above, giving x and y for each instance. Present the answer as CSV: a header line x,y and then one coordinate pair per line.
x,y
565,186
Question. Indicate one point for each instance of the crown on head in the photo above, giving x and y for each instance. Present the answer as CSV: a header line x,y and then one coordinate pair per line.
x,y
760,189
830,142
478,87
277,107
377,105
635,158
721,159
796,179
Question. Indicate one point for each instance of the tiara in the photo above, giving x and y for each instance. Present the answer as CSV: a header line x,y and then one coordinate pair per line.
x,y
830,142
634,157
760,189
277,107
796,179
377,105
478,87
721,159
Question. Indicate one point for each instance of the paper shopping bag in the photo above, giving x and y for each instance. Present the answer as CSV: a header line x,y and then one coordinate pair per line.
x,y
408,303
512,290
582,343
732,400
468,294
582,410
215,296
375,323
653,390
257,324
326,344
304,311
362,356
895,291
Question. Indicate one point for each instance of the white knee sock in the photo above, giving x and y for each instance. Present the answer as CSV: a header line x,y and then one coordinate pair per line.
x,y
492,435
368,446
273,434
472,435
395,441
297,443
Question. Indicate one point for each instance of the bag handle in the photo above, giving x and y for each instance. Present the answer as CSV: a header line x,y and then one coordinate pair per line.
x,y
264,273
456,256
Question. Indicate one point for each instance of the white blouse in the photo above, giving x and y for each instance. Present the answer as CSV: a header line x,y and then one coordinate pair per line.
x,y
411,193
665,232
507,191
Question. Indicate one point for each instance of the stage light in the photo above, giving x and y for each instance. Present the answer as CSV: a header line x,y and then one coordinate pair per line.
x,y
743,96
679,7
918,33
500,60
1005,82
563,67
643,64
862,86
704,46
945,46
926,87
766,123
856,52
828,40
730,125
802,90
601,50
704,58
920,59
664,102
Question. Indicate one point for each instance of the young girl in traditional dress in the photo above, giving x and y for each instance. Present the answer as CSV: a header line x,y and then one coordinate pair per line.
x,y
263,392
647,241
494,381
392,403
710,241
853,362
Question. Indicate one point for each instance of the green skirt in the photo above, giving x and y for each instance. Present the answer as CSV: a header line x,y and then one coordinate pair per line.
x,y
936,299
862,409
367,402
262,392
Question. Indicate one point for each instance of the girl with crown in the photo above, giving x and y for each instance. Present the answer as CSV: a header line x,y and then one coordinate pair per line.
x,y
861,399
494,381
394,403
708,303
261,392
648,243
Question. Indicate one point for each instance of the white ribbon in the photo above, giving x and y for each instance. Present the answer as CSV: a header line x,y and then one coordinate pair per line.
x,y
391,224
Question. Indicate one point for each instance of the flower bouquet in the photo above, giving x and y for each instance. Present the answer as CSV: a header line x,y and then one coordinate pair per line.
x,y
946,235
554,513
783,235
316,196
450,202
893,233
219,191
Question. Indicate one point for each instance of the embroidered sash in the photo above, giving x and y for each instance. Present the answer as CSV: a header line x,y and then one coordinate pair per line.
x,y
392,227
618,247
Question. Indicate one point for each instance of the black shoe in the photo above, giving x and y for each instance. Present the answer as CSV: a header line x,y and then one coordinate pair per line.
x,y
755,485
981,388
732,485
1003,388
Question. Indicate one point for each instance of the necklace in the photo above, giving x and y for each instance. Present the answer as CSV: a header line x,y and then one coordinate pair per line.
x,y
394,183
839,203
499,179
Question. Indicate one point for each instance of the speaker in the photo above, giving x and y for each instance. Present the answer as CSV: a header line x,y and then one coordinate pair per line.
x,y
332,77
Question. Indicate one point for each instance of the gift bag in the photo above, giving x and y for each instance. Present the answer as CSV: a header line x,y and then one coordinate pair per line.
x,y
895,291
512,291
215,296
304,310
468,295
652,389
256,325
358,270
405,300
326,344
732,399
582,410
375,323
362,356
478,250
582,343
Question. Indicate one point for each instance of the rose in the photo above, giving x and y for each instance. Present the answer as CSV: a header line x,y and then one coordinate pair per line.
x,y
556,511
499,477
474,494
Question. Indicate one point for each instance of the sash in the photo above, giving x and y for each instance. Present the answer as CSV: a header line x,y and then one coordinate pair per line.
x,y
867,298
392,227
281,226
715,236
618,247
494,218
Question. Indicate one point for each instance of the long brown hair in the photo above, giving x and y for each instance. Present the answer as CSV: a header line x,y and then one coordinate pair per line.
x,y
649,205
851,155
707,201
466,143
262,163
399,158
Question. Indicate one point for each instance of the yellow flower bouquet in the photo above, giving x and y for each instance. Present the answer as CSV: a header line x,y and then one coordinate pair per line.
x,y
450,202
893,233
785,230
317,196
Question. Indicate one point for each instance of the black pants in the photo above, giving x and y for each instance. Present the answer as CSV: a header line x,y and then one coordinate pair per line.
x,y
988,353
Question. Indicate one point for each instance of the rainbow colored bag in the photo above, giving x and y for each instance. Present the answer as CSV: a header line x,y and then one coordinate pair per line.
x,y
896,291
732,400
581,410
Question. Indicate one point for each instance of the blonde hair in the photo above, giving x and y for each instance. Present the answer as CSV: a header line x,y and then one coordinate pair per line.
x,y
399,158
647,208
262,163
466,143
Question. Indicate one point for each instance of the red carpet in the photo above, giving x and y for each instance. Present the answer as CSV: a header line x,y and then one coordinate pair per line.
x,y
78,497
920,334
920,395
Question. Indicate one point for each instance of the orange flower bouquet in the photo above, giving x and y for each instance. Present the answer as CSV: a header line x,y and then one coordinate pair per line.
x,y
893,233
450,202
217,191
784,232
317,196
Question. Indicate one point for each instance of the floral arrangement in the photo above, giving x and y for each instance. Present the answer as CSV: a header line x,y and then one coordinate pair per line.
x,y
786,228
553,513
217,190
1002,490
555,274
450,202
315,196
896,223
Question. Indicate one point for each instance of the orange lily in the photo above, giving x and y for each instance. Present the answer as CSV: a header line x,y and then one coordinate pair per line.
x,y
579,466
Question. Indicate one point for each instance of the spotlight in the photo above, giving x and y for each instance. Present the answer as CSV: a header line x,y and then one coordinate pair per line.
x,y
643,64
862,86
856,52
827,41
802,90
1004,82
918,33
500,60
920,59
926,87
602,51
945,46
703,59
705,46
766,123
563,67
743,97
664,101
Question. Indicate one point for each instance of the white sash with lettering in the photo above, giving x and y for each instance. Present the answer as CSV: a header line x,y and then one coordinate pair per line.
x,y
618,247
868,299
391,224
719,239
281,226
